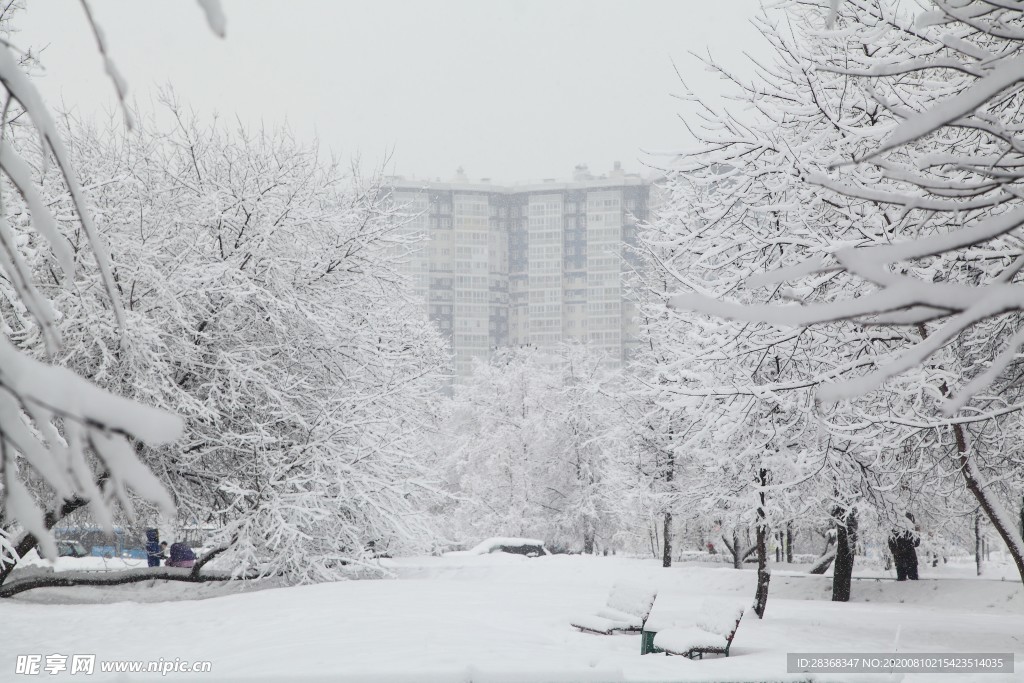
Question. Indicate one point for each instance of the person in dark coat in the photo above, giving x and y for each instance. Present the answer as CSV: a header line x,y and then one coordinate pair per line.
x,y
152,547
181,555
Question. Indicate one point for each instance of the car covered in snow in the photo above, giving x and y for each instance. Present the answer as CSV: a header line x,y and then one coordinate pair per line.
x,y
71,549
530,547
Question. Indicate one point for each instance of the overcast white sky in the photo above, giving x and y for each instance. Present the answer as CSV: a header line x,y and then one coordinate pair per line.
x,y
514,90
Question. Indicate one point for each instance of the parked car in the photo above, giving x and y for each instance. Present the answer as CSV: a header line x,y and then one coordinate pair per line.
x,y
530,547
71,549
120,542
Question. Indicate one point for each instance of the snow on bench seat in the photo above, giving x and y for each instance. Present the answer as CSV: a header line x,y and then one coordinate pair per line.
x,y
619,615
717,623
603,625
627,609
680,640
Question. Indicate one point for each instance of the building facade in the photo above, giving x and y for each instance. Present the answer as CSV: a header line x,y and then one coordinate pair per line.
x,y
524,265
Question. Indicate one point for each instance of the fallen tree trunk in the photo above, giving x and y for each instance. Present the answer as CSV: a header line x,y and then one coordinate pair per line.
x,y
52,579
87,578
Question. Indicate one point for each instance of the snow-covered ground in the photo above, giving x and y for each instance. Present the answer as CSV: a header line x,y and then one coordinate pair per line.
x,y
499,618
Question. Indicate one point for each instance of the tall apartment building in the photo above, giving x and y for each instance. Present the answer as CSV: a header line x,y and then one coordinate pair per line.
x,y
533,264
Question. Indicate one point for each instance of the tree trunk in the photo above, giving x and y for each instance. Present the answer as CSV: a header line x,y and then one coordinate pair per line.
x,y
666,554
977,540
731,547
763,573
115,578
1022,516
789,542
778,547
824,561
993,510
588,541
846,540
822,564
737,554
670,475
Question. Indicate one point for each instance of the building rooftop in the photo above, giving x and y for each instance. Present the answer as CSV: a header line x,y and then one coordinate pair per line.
x,y
582,179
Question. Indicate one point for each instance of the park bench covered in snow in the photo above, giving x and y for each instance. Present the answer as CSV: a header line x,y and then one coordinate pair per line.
x,y
715,628
627,609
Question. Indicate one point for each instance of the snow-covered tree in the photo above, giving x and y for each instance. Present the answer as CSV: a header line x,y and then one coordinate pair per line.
x,y
61,435
919,230
589,475
536,447
739,206
265,305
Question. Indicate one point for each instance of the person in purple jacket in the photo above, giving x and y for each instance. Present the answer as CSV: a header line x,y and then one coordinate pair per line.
x,y
181,555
